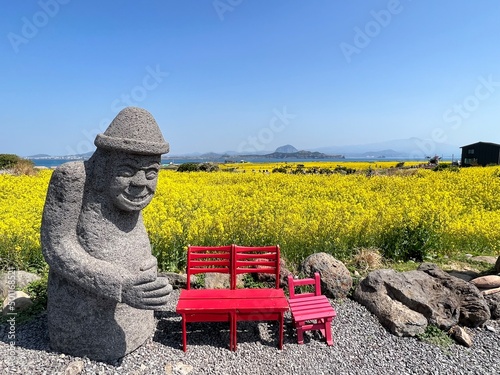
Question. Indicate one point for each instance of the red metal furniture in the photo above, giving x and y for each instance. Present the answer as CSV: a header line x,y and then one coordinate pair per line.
x,y
310,310
231,305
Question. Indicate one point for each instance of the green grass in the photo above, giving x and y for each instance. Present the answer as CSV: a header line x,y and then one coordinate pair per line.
x,y
435,336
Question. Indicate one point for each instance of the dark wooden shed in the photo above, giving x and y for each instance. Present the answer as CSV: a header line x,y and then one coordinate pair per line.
x,y
480,153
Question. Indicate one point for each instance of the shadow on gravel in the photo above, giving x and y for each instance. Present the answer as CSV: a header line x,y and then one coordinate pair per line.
x,y
169,333
30,335
216,334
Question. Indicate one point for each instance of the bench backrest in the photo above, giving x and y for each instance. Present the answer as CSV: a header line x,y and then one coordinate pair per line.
x,y
293,283
256,259
204,259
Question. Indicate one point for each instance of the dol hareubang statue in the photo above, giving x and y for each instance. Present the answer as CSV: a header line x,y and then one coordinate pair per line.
x,y
103,283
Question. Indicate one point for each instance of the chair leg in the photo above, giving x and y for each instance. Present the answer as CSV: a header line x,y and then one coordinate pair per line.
x,y
328,332
300,333
322,322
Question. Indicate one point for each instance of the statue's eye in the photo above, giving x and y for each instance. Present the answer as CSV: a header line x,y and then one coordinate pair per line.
x,y
125,171
151,174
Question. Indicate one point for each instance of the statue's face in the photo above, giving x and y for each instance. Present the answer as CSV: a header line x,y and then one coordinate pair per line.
x,y
133,181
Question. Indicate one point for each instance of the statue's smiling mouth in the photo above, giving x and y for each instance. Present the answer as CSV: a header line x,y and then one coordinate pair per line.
x,y
136,198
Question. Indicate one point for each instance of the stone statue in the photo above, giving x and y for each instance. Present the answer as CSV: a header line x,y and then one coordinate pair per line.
x,y
103,282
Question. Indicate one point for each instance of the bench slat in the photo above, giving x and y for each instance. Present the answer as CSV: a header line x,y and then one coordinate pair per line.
x,y
215,263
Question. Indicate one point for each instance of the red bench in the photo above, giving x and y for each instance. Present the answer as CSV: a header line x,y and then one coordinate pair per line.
x,y
233,304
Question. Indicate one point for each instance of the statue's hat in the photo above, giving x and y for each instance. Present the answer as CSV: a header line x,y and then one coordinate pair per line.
x,y
133,130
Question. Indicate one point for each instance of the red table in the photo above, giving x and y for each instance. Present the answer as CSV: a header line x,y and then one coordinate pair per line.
x,y
219,305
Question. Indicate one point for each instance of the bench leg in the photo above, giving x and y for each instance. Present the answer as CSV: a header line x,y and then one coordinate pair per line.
x,y
282,323
233,331
184,334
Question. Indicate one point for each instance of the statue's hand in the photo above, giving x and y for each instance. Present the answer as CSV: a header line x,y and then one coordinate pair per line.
x,y
146,290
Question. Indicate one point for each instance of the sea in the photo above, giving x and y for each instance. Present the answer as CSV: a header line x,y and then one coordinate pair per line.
x,y
55,162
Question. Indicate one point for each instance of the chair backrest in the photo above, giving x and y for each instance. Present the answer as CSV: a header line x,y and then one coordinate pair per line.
x,y
256,259
204,259
293,283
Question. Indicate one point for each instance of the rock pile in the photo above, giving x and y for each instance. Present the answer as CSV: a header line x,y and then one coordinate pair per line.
x,y
406,302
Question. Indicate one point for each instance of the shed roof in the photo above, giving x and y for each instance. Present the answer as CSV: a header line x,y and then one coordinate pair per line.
x,y
484,143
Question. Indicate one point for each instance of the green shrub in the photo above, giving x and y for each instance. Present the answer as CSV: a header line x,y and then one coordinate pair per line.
x,y
280,170
345,170
195,167
445,166
19,165
188,167
8,160
406,243
208,167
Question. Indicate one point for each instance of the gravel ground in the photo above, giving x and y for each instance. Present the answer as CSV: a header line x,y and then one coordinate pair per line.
x,y
361,346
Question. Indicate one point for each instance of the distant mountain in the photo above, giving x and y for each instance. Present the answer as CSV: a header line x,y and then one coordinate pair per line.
x,y
61,157
287,149
415,148
411,147
299,155
38,156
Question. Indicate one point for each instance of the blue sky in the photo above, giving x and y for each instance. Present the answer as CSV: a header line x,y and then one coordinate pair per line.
x,y
250,75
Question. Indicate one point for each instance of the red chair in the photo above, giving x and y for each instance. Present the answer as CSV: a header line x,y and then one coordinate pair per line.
x,y
310,310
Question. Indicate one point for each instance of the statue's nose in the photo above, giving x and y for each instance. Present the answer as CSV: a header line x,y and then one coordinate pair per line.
x,y
139,179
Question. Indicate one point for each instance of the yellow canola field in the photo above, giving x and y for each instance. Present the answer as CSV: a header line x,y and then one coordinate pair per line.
x,y
407,216
21,207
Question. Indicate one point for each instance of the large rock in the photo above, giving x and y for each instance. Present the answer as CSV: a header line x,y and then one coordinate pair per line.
x,y
497,265
336,281
215,280
460,335
485,259
375,293
486,282
474,310
16,302
493,301
14,280
401,300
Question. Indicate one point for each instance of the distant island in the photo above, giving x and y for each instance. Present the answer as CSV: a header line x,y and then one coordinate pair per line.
x,y
303,154
282,152
394,149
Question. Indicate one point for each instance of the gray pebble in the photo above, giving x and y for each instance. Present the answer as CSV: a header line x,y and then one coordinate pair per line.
x,y
361,346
